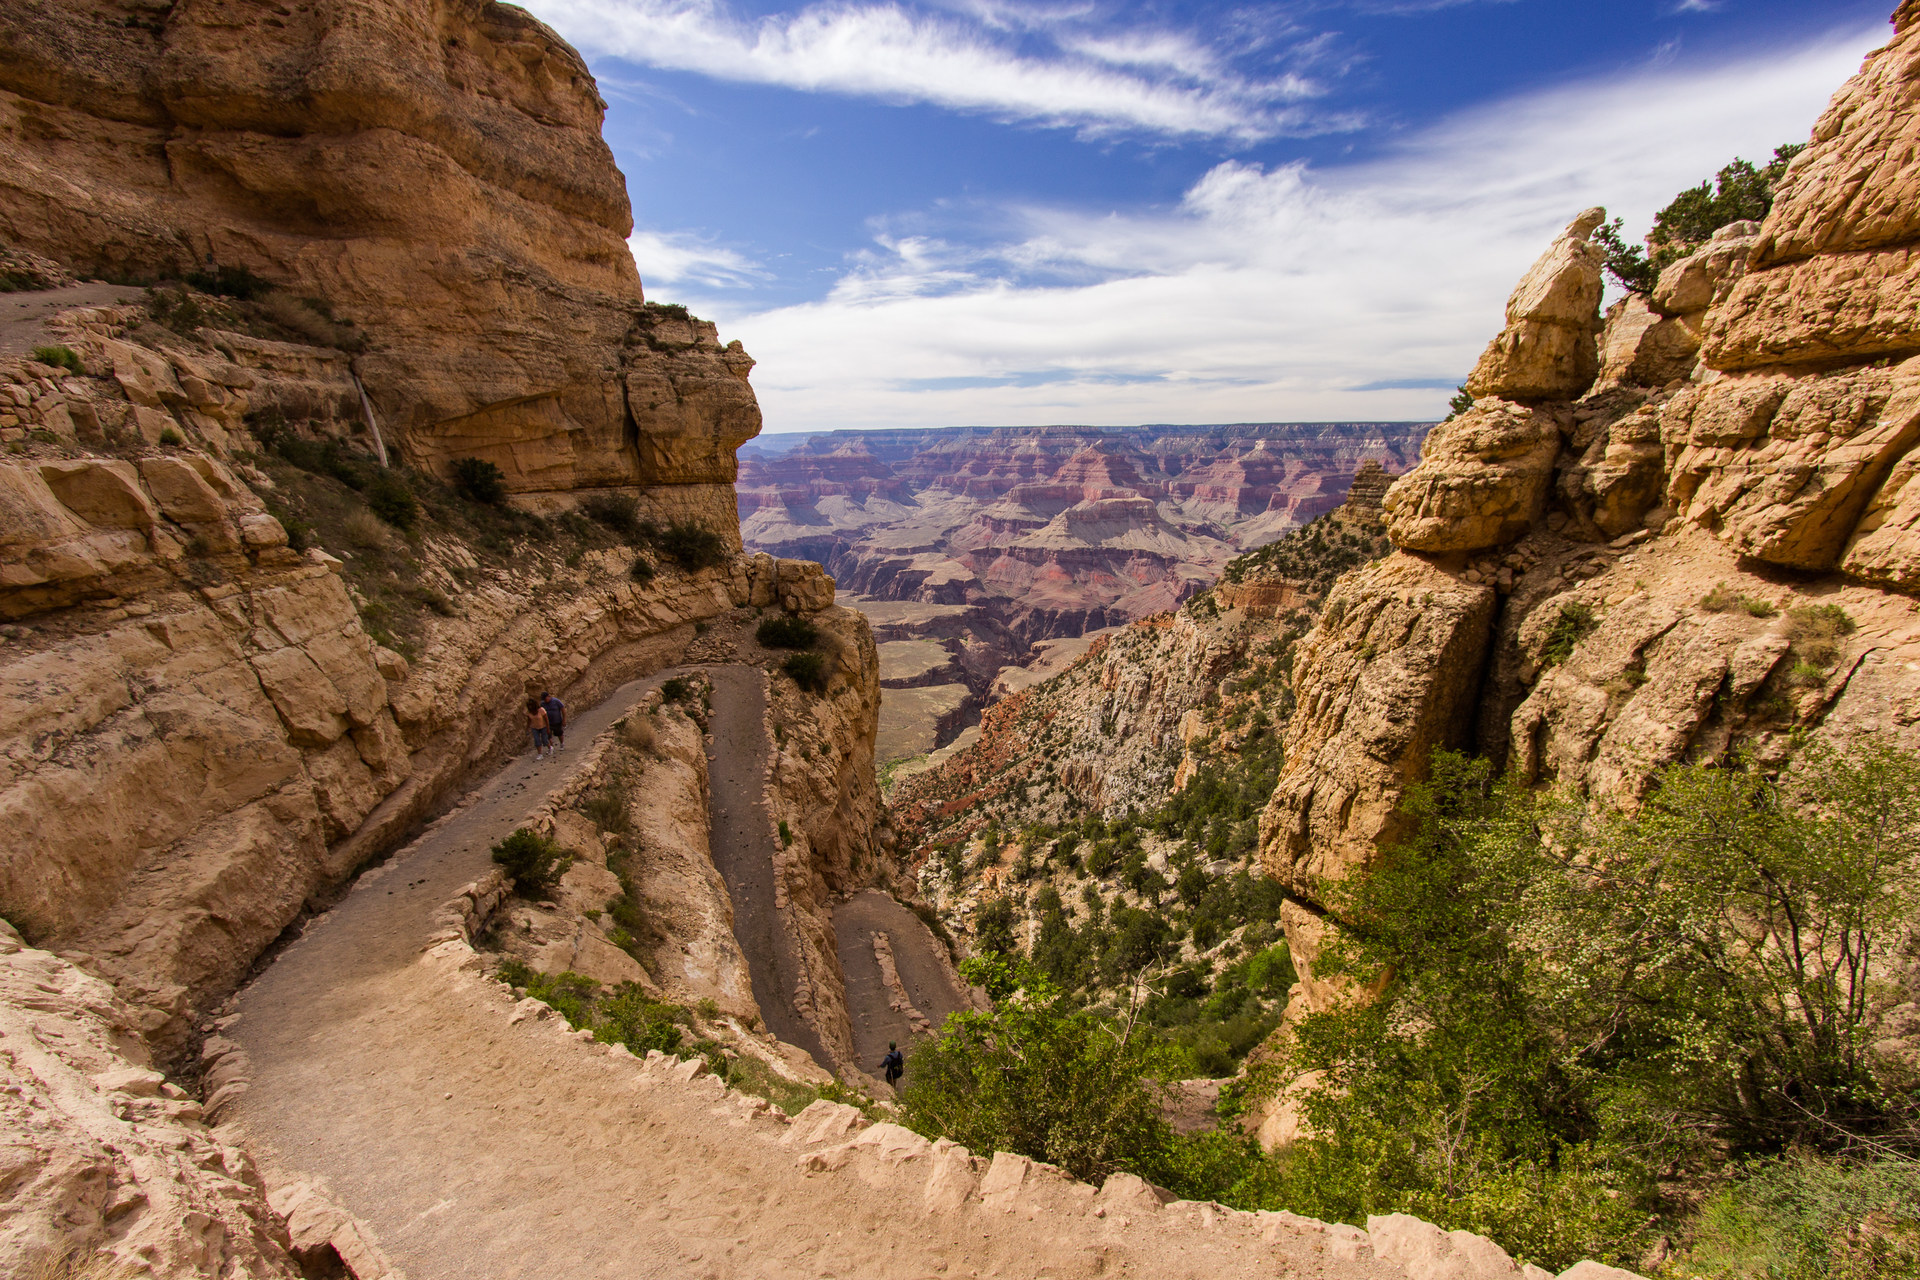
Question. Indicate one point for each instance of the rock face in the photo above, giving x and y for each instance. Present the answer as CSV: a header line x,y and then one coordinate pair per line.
x,y
1591,582
1547,350
103,1152
434,173
1051,532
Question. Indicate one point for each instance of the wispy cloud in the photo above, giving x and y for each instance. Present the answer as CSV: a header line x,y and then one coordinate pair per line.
x,y
1030,64
1294,292
679,258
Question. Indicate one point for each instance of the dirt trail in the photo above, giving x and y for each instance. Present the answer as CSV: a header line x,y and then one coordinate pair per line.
x,y
926,978
24,316
741,842
476,1142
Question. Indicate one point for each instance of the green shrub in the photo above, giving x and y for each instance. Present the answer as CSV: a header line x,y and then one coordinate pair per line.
x,y
1037,1077
1574,1009
641,570
533,862
786,834
1739,192
692,546
1803,1215
229,282
1759,608
1576,622
60,357
808,670
389,498
787,632
607,807
678,689
172,437
480,481
619,512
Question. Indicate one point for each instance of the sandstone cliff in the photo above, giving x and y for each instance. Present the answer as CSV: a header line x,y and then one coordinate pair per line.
x,y
433,174
1681,534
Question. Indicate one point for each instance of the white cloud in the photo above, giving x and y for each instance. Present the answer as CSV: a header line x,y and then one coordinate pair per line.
x,y
678,258
1100,82
1268,294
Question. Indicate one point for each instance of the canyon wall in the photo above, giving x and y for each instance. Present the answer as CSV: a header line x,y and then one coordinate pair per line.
x,y
1051,531
432,174
1683,530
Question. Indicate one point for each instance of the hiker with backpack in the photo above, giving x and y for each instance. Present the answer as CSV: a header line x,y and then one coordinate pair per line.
x,y
895,1064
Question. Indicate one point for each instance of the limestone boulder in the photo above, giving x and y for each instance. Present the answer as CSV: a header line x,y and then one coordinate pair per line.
x,y
1835,273
1707,275
1640,347
1618,474
1547,351
1483,478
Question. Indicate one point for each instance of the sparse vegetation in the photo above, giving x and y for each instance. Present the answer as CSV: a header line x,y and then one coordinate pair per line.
x,y
808,670
678,689
692,546
60,357
1576,621
619,512
533,862
169,436
1739,192
607,807
480,481
786,631
229,282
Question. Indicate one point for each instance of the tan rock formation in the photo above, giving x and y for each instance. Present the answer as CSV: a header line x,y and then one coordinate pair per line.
x,y
1632,619
1547,351
436,174
105,1158
1389,674
1482,480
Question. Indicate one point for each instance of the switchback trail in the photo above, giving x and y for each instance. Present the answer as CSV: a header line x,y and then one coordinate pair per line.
x,y
740,838
475,1147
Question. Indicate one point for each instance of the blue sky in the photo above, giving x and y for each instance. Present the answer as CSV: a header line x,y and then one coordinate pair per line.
x,y
979,211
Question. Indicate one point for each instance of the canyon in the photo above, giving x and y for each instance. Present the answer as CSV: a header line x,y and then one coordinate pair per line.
x,y
337,425
968,547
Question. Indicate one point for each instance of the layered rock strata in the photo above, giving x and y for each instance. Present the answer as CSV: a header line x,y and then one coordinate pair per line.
x,y
434,175
1052,532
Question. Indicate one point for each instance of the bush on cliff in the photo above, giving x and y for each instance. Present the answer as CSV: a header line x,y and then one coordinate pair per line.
x,y
1581,1003
785,631
1037,1077
532,861
692,546
480,481
808,670
1741,192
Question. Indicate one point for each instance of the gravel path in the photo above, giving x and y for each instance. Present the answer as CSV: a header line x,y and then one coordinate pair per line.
x,y
474,1147
24,316
930,985
740,837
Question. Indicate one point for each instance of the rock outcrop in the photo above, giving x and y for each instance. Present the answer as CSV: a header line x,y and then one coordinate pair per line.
x,y
101,1147
1702,544
433,174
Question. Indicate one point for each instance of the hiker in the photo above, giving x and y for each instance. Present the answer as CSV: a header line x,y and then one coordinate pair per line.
x,y
537,727
556,719
895,1064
